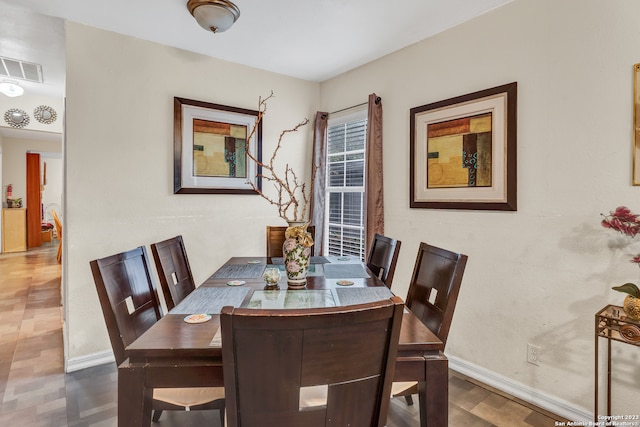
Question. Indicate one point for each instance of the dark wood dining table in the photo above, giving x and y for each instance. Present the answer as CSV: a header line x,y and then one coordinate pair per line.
x,y
174,353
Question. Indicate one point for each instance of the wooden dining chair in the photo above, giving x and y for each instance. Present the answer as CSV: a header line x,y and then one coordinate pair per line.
x,y
130,306
432,296
310,367
275,239
383,257
58,225
172,264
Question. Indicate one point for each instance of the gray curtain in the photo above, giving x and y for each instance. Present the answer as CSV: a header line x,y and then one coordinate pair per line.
x,y
319,165
374,191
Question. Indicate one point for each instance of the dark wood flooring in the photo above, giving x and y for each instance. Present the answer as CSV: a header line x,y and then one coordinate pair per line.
x,y
35,391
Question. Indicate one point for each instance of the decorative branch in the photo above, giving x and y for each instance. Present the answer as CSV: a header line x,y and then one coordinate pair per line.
x,y
292,199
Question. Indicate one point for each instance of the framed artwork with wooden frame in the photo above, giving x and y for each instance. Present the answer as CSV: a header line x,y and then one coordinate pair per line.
x,y
210,146
636,124
463,152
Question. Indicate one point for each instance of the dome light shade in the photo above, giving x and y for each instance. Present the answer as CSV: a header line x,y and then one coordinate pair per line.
x,y
11,88
214,15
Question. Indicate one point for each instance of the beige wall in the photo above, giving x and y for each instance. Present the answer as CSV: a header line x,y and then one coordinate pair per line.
x,y
540,274
119,153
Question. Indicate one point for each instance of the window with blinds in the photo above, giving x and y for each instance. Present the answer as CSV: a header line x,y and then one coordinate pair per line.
x,y
345,185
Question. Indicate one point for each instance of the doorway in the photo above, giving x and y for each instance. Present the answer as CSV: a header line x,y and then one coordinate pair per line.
x,y
44,193
34,201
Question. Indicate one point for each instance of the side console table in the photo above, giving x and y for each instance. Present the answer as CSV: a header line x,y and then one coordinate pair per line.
x,y
612,324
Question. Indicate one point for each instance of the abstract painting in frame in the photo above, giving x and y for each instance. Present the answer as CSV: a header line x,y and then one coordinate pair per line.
x,y
210,143
636,124
463,151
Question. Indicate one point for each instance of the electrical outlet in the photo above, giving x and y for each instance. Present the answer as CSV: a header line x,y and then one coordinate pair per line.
x,y
533,354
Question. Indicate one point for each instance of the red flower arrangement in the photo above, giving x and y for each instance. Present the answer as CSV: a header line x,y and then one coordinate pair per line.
x,y
627,223
622,220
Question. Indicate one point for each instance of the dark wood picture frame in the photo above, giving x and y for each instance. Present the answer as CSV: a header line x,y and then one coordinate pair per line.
x,y
496,154
186,178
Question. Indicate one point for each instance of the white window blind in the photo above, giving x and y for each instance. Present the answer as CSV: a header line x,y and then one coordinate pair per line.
x,y
345,184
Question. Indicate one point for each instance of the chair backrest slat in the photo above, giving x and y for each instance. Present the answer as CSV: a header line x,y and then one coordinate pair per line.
x,y
127,296
174,271
434,288
273,359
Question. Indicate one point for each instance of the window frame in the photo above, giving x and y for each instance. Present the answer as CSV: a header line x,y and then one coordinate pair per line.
x,y
337,119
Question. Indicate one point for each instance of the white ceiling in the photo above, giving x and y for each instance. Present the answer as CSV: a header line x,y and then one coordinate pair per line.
x,y
311,40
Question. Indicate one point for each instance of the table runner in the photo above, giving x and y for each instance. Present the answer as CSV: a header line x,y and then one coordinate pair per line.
x,y
345,271
314,269
239,271
210,300
312,260
290,299
350,296
306,299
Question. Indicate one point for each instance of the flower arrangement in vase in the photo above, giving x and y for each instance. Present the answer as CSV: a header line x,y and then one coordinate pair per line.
x,y
292,198
626,222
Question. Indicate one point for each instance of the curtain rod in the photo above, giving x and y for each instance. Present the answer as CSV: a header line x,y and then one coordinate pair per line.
x,y
378,99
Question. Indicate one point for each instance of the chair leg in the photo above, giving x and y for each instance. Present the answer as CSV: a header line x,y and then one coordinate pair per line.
x,y
408,399
222,416
156,415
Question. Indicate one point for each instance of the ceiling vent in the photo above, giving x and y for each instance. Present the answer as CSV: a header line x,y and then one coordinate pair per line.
x,y
22,70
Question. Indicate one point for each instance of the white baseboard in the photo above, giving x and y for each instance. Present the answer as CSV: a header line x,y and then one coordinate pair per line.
x,y
89,361
545,401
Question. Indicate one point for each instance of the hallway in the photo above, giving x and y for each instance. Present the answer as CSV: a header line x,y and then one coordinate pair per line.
x,y
32,381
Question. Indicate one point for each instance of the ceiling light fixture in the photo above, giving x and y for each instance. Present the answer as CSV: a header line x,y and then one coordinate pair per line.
x,y
214,15
11,88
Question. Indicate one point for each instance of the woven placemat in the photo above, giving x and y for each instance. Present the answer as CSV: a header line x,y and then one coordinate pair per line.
x,y
210,300
239,271
351,296
345,271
